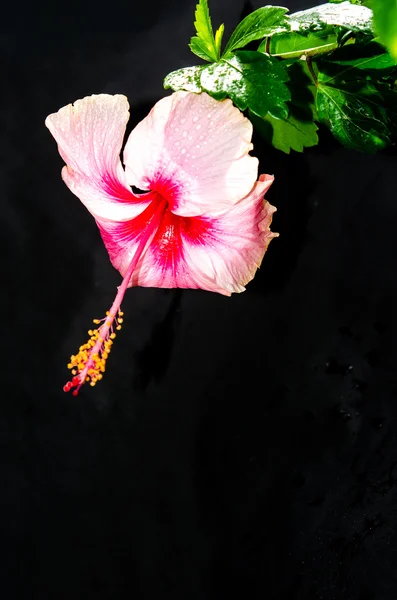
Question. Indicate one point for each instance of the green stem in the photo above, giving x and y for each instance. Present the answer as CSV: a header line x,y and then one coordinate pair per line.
x,y
311,70
349,35
317,50
309,51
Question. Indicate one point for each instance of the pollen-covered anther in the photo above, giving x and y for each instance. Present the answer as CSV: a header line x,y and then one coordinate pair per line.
x,y
89,364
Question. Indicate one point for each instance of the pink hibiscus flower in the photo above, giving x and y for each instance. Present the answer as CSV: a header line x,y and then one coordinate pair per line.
x,y
203,221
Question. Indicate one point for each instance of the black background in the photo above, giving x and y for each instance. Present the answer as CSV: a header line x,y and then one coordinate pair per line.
x,y
236,447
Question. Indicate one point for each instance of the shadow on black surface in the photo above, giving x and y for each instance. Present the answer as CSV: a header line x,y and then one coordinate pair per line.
x,y
153,360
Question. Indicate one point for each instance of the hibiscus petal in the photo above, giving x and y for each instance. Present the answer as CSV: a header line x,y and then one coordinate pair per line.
x,y
218,254
193,150
90,135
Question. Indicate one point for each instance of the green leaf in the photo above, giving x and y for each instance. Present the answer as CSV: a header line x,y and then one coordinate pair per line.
x,y
298,130
385,17
203,45
351,1
303,90
218,39
252,80
347,62
287,134
199,48
290,134
187,79
354,112
353,17
294,44
388,93
320,30
262,22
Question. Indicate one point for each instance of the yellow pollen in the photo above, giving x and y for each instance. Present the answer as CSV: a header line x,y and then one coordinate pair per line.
x,y
91,365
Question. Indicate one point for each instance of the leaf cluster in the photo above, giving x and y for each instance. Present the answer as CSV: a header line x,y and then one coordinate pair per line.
x,y
334,64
